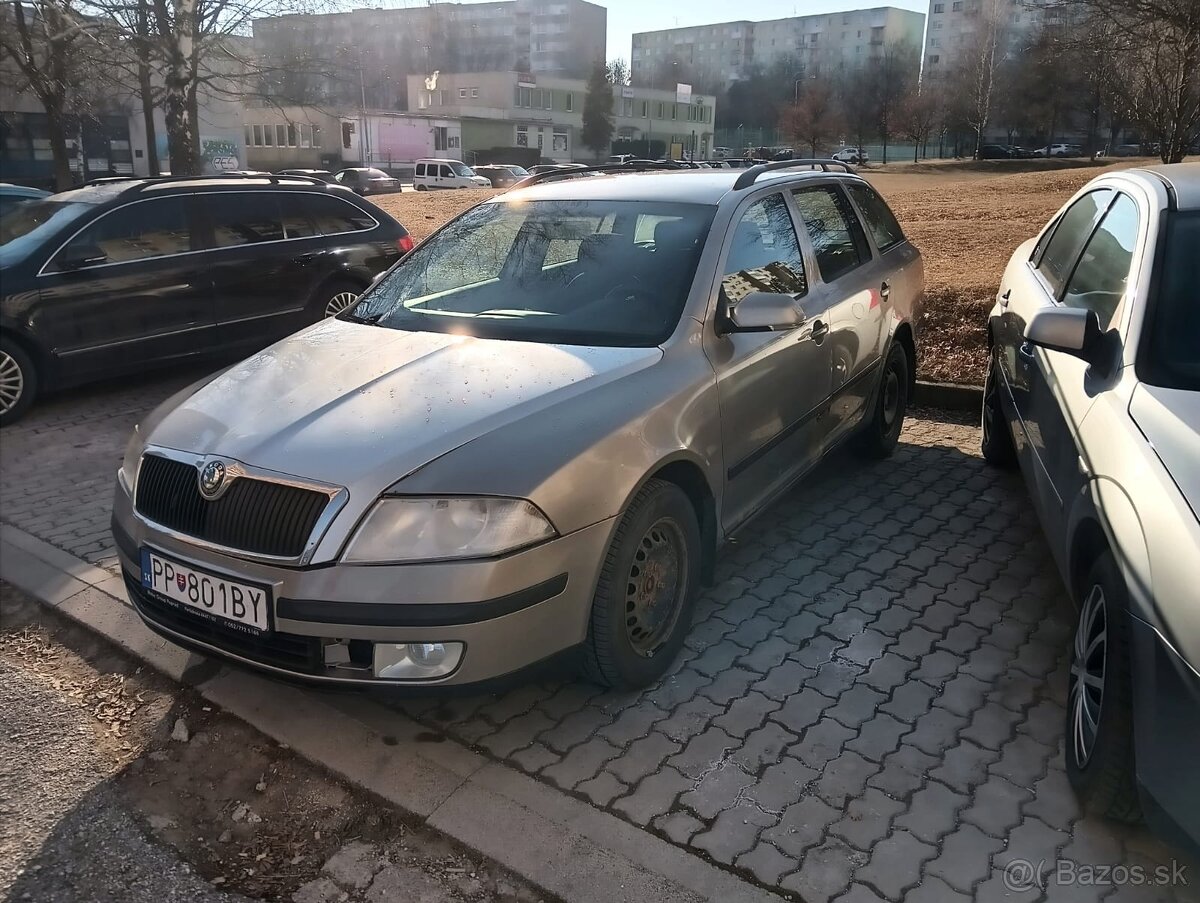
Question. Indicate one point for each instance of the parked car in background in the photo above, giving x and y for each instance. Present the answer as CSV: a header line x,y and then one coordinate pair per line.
x,y
630,368
995,152
552,167
1127,150
1094,389
114,278
622,158
851,155
501,175
433,174
12,196
721,153
1059,150
323,174
367,181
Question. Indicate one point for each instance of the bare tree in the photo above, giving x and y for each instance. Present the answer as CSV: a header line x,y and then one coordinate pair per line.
x,y
916,116
52,45
859,105
895,69
618,71
814,120
979,68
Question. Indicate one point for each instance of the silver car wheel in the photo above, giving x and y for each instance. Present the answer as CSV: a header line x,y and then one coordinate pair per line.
x,y
1086,683
655,588
12,382
339,303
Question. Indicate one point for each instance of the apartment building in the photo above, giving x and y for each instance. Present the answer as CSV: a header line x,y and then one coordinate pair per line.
x,y
524,109
365,56
714,55
954,24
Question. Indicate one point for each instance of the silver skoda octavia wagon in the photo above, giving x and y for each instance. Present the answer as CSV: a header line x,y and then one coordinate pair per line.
x,y
531,435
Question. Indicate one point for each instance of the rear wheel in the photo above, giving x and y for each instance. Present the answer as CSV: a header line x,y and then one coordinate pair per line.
x,y
881,431
18,382
643,604
996,441
1099,754
420,188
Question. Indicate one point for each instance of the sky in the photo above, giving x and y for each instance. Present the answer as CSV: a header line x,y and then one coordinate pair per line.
x,y
627,16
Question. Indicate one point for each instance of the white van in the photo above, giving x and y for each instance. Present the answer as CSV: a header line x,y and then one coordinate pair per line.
x,y
431,174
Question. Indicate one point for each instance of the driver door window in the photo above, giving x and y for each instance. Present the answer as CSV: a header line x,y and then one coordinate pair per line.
x,y
1056,252
765,253
140,231
445,173
1099,281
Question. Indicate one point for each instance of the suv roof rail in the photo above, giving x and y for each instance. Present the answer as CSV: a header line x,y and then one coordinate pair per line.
x,y
750,176
631,166
273,178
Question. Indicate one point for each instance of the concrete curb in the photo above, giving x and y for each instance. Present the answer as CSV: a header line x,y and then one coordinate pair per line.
x,y
948,396
553,840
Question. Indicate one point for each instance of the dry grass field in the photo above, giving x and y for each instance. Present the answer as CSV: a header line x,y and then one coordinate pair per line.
x,y
965,217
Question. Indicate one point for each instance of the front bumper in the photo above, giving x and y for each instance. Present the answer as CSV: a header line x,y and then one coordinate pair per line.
x,y
509,612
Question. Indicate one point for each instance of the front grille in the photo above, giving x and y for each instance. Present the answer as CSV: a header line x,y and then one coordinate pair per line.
x,y
253,515
300,654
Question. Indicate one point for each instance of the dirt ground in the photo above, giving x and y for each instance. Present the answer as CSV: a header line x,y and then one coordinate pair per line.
x,y
240,811
966,217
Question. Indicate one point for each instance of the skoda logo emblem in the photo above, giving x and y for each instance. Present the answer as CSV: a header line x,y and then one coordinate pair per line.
x,y
212,479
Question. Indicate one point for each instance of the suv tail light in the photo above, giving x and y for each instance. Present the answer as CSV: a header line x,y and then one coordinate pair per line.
x,y
405,243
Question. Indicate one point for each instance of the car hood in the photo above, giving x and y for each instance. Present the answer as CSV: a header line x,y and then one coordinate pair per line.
x,y
1170,421
363,406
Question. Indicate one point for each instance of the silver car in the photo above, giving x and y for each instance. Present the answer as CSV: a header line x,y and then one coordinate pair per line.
x,y
1094,387
531,436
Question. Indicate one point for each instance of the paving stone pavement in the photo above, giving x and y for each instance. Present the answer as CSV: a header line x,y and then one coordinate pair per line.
x,y
869,705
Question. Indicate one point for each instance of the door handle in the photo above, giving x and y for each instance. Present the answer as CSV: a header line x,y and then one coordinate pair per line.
x,y
885,291
1004,298
1025,349
820,329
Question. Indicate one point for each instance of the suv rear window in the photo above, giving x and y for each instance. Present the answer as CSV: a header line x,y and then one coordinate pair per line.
x,y
243,218
333,216
878,216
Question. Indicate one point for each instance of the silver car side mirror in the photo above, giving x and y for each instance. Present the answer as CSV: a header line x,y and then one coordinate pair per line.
x,y
1070,330
765,312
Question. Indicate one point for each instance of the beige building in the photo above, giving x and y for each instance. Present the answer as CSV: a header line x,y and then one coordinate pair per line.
x,y
817,45
953,25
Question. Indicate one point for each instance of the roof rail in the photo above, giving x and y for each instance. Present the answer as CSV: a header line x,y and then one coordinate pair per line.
x,y
275,179
749,176
550,175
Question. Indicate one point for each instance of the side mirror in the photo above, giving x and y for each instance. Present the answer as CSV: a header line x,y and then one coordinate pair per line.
x,y
764,312
1070,330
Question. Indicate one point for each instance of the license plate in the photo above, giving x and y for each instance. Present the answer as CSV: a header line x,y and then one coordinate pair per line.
x,y
242,606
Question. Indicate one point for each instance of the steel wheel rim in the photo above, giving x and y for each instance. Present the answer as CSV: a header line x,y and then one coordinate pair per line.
x,y
891,397
339,303
1089,659
655,587
12,382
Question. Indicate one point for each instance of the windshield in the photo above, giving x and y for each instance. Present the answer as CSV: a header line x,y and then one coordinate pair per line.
x,y
461,169
1170,357
569,272
26,226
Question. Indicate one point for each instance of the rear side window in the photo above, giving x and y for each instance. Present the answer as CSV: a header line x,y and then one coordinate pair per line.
x,y
139,231
243,218
878,217
1060,246
296,220
333,216
833,229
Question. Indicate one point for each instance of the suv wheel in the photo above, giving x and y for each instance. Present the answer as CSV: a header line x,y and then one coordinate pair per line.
x,y
18,382
881,431
647,588
996,441
1099,726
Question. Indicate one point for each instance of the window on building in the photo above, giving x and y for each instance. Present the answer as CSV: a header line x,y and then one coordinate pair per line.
x,y
462,93
627,107
935,58
316,136
439,138
305,135
645,109
444,100
674,111
249,137
268,136
291,135
957,6
474,92
549,99
661,111
570,102
281,135
522,136
939,7
560,139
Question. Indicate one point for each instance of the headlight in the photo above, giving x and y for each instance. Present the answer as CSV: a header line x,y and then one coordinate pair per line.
x,y
433,529
129,464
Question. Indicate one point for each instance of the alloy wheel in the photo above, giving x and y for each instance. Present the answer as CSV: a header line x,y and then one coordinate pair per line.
x,y
1086,683
655,588
339,303
12,382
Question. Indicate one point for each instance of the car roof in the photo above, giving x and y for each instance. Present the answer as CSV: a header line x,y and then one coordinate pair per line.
x,y
1184,180
684,186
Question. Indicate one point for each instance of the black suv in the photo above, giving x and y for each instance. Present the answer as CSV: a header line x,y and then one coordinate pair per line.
x,y
114,278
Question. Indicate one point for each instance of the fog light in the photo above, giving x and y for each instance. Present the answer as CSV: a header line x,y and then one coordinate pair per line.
x,y
416,661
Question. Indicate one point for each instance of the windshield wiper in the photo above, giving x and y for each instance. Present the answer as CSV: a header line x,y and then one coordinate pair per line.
x,y
369,319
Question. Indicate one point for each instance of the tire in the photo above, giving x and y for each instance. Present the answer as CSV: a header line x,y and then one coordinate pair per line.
x,y
334,297
881,431
1099,722
420,188
18,382
634,633
995,434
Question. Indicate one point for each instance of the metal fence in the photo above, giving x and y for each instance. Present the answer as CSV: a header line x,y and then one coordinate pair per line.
x,y
738,140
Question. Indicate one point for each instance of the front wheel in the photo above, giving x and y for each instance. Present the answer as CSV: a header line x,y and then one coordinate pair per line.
x,y
643,604
1099,729
996,441
881,431
18,382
